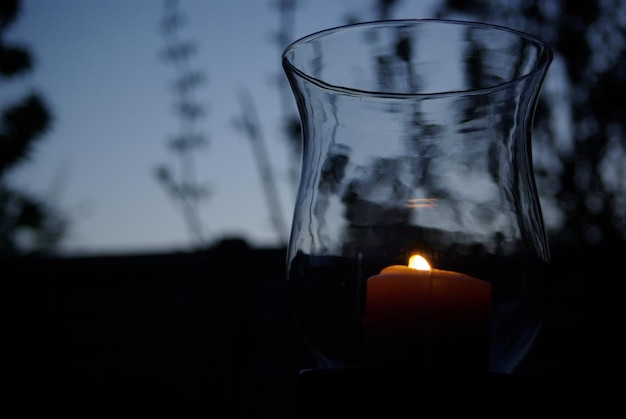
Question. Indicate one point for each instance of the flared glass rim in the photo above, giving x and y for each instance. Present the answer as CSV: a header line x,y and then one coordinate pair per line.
x,y
543,60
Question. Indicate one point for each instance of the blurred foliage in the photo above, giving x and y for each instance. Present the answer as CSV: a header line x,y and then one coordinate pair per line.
x,y
249,124
180,180
579,141
28,224
292,134
251,127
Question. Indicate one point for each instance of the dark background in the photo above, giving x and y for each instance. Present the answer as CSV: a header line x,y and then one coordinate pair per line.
x,y
203,334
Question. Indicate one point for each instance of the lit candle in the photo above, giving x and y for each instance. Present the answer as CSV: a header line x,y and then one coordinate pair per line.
x,y
422,317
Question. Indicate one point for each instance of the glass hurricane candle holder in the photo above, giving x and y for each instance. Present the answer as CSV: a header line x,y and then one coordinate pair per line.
x,y
417,238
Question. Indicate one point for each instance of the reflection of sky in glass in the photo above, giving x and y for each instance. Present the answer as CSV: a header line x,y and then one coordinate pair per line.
x,y
460,152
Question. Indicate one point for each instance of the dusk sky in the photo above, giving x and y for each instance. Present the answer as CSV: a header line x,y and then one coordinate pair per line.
x,y
98,66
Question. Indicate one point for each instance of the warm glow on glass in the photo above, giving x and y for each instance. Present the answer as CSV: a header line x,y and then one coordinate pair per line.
x,y
422,203
419,263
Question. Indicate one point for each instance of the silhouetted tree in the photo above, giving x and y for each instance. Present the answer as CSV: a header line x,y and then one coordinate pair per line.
x,y
580,126
28,224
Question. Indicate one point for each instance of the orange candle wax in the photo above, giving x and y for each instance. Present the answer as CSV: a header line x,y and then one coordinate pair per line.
x,y
421,317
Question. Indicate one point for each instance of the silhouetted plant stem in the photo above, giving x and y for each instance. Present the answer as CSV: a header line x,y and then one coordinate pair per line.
x,y
249,124
291,120
182,185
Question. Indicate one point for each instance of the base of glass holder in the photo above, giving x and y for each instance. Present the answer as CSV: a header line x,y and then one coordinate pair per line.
x,y
427,393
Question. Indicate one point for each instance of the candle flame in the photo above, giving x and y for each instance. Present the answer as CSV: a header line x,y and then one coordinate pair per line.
x,y
417,262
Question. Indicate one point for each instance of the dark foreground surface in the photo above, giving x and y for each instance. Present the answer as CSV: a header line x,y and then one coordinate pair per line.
x,y
208,334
